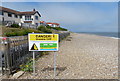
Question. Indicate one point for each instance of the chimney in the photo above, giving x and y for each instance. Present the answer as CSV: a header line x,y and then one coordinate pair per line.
x,y
34,9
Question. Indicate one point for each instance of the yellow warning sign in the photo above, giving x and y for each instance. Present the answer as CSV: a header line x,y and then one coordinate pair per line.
x,y
34,47
43,42
43,37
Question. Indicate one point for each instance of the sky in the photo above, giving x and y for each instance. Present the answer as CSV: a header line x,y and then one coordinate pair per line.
x,y
76,16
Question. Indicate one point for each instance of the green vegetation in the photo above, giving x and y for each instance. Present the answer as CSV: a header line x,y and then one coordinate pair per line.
x,y
15,26
15,30
27,67
18,32
44,29
56,28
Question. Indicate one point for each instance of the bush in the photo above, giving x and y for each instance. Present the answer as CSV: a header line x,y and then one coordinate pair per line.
x,y
31,30
49,27
57,28
8,34
44,29
15,26
27,67
21,32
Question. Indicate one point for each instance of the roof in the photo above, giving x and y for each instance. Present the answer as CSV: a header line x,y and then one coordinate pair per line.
x,y
52,23
18,12
42,21
49,23
8,10
56,23
29,13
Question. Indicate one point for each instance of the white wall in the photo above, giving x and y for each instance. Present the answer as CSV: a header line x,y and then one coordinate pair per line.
x,y
36,21
1,17
20,20
50,24
6,18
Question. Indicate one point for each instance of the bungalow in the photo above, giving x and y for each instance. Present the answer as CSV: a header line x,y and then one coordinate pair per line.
x,y
13,16
53,24
43,23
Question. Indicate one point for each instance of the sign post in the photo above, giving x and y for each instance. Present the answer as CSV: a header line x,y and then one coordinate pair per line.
x,y
43,42
54,65
33,63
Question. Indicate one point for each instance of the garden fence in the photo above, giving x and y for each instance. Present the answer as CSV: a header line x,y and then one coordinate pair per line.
x,y
14,52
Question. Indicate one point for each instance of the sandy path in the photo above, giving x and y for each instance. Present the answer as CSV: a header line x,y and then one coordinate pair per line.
x,y
84,57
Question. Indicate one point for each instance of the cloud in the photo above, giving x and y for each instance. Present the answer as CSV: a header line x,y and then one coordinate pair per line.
x,y
85,17
75,16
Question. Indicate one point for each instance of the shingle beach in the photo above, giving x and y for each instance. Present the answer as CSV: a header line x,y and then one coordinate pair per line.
x,y
80,56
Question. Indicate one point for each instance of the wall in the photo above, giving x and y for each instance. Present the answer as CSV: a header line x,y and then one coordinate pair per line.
x,y
6,18
36,21
28,25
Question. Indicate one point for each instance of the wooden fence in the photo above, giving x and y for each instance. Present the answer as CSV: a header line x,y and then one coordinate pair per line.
x,y
15,52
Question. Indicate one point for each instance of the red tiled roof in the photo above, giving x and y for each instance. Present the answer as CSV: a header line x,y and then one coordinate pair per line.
x,y
52,23
8,10
49,23
56,23
17,12
42,21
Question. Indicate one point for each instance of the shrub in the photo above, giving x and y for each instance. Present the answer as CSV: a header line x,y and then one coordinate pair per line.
x,y
44,29
27,67
9,34
15,26
57,28
21,32
49,27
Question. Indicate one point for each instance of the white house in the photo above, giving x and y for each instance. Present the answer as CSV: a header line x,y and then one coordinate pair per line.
x,y
28,17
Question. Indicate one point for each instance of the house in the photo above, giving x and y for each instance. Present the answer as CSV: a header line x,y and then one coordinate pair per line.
x,y
13,16
53,24
43,23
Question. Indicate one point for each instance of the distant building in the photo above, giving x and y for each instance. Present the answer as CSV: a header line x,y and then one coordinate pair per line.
x,y
53,24
13,16
43,23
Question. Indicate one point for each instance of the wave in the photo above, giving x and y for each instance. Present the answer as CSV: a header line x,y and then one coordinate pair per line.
x,y
114,37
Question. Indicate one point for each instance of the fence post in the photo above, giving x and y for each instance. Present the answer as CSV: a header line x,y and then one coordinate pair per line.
x,y
7,56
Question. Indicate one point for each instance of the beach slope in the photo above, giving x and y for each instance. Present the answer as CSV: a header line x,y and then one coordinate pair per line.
x,y
81,56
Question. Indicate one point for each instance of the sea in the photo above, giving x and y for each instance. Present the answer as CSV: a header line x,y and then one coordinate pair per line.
x,y
108,34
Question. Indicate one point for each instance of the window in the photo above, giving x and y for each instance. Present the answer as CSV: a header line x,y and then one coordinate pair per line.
x,y
16,16
36,24
9,15
20,16
28,17
36,17
1,13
